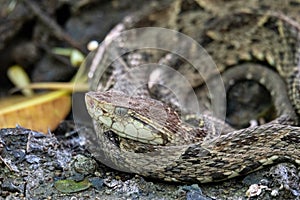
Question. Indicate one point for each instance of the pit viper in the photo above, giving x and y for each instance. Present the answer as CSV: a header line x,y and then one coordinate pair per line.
x,y
143,135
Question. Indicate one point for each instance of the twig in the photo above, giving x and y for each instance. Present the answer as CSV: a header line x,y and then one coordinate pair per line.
x,y
287,19
46,20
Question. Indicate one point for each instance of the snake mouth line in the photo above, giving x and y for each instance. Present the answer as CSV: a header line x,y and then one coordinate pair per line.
x,y
127,144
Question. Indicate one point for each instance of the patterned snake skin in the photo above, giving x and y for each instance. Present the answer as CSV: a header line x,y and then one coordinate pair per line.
x,y
246,44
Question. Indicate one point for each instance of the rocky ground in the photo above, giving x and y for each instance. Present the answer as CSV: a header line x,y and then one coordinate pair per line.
x,y
58,166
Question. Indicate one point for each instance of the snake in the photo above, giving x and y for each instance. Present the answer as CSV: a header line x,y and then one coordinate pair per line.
x,y
142,135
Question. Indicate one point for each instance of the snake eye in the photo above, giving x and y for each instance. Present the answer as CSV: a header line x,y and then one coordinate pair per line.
x,y
121,111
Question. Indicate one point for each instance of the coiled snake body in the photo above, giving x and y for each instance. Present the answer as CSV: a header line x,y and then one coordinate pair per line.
x,y
135,137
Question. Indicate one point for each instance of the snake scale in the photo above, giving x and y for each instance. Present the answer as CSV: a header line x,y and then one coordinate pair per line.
x,y
260,43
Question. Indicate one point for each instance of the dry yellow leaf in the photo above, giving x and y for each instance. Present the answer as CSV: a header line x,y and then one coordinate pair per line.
x,y
40,112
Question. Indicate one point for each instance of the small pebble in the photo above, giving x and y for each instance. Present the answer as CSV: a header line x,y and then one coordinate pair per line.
x,y
92,45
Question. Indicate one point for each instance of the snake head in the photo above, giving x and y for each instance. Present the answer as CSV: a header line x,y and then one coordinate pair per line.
x,y
138,118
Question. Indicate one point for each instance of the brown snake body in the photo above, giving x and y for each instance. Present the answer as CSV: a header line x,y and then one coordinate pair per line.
x,y
174,150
